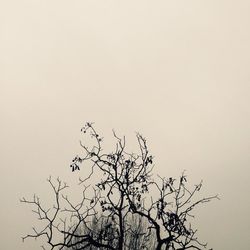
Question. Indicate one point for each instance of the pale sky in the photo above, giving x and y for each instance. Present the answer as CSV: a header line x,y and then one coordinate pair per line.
x,y
177,71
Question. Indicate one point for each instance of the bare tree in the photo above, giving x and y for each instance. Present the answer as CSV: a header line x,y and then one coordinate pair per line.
x,y
125,208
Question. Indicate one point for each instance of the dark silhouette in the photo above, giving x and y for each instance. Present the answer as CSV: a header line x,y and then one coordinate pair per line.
x,y
122,206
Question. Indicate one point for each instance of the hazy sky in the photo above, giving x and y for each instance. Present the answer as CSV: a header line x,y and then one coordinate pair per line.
x,y
177,71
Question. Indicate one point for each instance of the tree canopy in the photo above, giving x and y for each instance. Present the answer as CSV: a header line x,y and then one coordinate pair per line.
x,y
126,207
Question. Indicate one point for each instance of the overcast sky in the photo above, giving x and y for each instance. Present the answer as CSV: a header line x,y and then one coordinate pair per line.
x,y
177,71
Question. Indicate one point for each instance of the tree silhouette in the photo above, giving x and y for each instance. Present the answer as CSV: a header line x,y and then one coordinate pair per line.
x,y
122,205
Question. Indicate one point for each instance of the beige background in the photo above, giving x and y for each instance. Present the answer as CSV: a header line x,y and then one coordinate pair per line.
x,y
178,71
